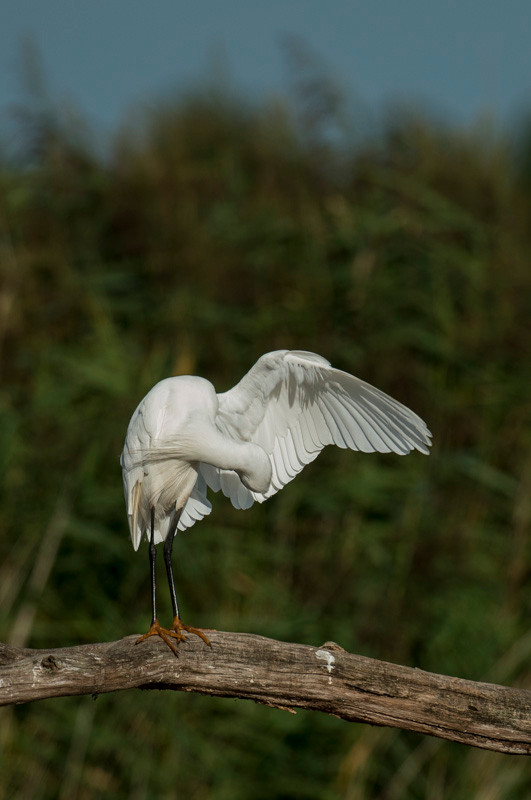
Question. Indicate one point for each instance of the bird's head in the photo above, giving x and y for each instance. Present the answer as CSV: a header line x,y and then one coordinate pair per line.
x,y
256,473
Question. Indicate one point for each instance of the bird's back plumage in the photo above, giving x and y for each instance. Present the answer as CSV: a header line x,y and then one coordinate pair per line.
x,y
157,468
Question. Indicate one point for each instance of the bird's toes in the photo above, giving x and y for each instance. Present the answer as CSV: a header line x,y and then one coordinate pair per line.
x,y
179,626
166,638
165,634
176,634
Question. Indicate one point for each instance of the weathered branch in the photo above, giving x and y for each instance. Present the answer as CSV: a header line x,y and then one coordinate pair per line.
x,y
280,674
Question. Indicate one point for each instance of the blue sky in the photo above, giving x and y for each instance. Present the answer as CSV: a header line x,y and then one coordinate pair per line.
x,y
462,59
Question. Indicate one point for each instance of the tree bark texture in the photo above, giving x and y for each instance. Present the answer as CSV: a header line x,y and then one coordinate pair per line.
x,y
283,675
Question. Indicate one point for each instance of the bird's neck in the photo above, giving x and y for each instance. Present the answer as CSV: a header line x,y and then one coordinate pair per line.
x,y
247,459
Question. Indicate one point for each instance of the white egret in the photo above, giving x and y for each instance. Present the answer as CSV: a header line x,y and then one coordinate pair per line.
x,y
249,442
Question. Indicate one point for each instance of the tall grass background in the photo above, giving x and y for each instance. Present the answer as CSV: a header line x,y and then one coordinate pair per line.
x,y
212,231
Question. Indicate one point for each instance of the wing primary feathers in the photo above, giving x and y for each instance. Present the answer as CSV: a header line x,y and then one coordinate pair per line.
x,y
397,417
383,420
359,440
331,423
413,420
368,427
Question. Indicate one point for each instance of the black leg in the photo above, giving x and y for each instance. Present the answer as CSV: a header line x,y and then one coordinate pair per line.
x,y
168,636
168,547
152,562
176,631
178,626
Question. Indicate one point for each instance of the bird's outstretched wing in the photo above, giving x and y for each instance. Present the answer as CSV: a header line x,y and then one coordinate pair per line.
x,y
293,403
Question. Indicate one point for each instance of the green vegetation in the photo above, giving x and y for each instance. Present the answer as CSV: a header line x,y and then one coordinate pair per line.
x,y
213,233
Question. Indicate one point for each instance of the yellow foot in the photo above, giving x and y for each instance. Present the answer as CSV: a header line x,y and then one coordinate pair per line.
x,y
179,626
165,634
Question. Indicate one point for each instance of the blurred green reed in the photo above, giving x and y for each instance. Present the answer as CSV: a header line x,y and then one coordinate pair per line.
x,y
213,232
